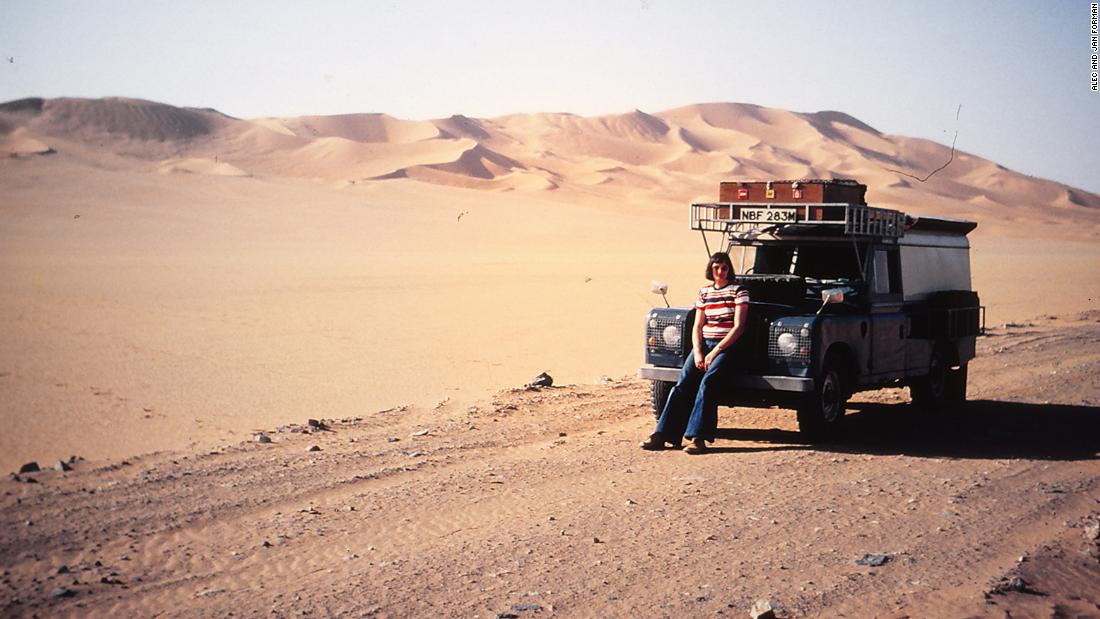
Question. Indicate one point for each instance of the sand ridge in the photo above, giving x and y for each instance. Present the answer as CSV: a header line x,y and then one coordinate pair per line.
x,y
677,154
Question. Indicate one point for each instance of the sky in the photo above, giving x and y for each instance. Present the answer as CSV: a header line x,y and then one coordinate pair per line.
x,y
1012,78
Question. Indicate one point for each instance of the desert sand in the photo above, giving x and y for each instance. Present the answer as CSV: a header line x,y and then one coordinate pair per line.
x,y
176,280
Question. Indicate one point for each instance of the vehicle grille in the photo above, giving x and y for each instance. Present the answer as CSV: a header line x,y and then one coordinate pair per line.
x,y
802,342
677,320
655,328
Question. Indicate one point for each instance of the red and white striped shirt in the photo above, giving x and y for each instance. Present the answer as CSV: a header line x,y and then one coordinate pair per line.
x,y
718,306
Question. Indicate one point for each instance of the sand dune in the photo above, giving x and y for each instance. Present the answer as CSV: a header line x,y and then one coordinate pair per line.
x,y
635,125
703,164
199,165
777,127
480,162
461,126
343,158
20,142
130,119
661,157
362,128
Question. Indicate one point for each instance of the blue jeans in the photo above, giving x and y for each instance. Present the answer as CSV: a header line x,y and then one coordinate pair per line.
x,y
692,407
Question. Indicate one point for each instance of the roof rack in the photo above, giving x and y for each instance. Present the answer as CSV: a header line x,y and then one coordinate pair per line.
x,y
751,218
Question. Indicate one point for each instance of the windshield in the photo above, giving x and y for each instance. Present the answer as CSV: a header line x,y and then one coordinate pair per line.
x,y
809,261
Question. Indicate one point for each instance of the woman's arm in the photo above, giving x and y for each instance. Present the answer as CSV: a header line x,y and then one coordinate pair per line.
x,y
740,313
697,338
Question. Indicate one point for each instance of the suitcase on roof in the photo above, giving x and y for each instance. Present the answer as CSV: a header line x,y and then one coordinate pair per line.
x,y
834,191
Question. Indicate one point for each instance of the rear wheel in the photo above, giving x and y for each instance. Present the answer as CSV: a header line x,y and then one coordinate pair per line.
x,y
822,412
659,390
955,387
943,388
928,390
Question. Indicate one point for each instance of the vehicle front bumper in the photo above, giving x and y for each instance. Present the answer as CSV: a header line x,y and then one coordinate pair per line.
x,y
737,381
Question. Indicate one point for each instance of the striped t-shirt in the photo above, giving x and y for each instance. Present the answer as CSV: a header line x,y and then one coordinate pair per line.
x,y
718,307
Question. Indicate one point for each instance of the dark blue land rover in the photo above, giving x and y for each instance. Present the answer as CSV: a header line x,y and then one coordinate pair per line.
x,y
845,297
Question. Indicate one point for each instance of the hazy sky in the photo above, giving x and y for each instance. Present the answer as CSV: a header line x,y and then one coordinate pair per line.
x,y
1020,70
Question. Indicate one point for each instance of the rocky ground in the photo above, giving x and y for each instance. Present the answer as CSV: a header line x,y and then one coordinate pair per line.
x,y
538,503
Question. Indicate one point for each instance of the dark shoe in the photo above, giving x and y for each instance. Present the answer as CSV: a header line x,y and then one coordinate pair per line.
x,y
655,442
697,446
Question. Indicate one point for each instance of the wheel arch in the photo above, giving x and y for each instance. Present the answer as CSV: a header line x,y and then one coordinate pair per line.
x,y
842,353
949,350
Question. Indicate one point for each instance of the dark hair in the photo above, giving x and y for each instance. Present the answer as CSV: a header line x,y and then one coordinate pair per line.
x,y
720,256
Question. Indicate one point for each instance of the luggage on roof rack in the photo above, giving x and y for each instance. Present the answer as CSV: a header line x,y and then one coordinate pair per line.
x,y
755,218
806,191
808,206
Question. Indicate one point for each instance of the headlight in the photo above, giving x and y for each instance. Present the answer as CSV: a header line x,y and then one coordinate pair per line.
x,y
671,336
787,343
790,343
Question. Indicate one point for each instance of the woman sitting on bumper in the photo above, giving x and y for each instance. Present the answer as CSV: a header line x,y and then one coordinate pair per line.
x,y
720,317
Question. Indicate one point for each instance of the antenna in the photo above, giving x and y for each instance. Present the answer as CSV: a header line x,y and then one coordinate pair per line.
x,y
949,159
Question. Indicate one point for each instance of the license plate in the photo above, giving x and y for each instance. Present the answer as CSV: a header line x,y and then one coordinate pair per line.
x,y
770,215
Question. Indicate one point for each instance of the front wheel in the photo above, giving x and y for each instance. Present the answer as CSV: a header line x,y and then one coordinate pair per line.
x,y
659,390
822,412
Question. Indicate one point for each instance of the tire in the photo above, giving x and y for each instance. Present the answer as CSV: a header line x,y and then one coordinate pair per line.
x,y
822,412
927,391
659,390
955,388
942,389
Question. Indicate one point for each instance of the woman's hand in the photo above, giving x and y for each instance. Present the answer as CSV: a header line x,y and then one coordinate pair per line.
x,y
709,359
700,360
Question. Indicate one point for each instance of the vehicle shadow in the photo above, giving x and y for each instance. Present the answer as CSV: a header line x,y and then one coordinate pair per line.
x,y
986,429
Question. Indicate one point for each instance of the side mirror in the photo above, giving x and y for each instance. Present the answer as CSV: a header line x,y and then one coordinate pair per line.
x,y
661,288
832,295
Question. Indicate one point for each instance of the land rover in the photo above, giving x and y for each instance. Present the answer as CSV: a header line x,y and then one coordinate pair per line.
x,y
845,297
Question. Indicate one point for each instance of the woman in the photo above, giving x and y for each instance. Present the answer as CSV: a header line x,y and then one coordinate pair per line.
x,y
720,317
